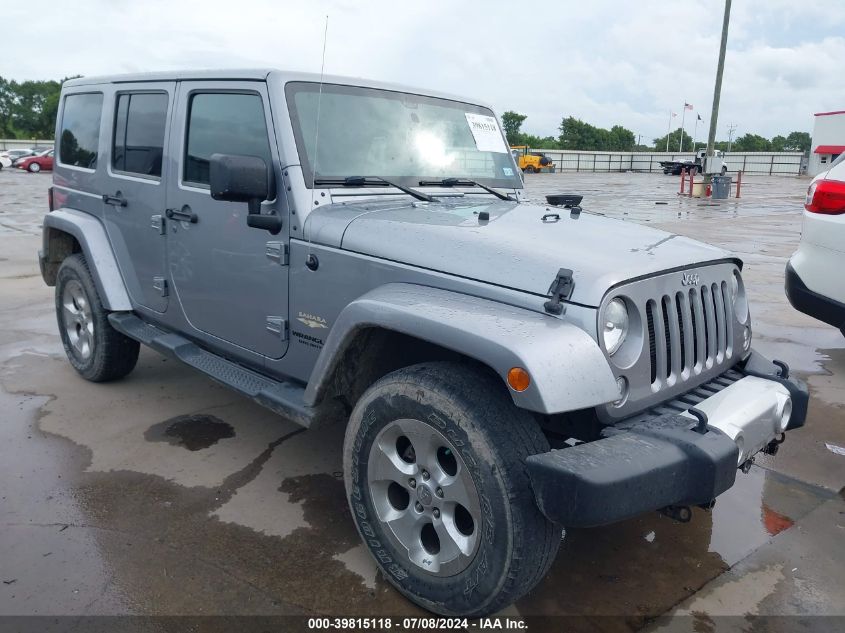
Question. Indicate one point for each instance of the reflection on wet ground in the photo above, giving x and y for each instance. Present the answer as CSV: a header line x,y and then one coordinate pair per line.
x,y
167,494
641,567
194,432
158,537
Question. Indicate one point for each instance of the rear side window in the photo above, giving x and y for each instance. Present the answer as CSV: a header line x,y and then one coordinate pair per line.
x,y
226,123
80,131
140,120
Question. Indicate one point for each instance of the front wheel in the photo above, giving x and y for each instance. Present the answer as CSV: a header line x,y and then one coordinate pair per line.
x,y
94,348
434,466
34,168
724,170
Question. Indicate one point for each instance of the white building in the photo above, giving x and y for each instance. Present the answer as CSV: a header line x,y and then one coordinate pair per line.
x,y
828,140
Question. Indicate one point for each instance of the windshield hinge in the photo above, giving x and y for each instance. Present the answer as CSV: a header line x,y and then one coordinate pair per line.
x,y
278,326
560,290
278,252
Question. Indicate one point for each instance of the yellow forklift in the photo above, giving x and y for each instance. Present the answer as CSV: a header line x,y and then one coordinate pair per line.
x,y
531,162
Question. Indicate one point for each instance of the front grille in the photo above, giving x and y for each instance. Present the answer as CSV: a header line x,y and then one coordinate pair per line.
x,y
689,332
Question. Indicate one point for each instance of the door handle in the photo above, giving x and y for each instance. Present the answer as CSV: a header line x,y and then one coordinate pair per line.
x,y
116,200
183,215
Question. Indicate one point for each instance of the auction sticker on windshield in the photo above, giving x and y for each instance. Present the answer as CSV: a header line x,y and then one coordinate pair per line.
x,y
485,130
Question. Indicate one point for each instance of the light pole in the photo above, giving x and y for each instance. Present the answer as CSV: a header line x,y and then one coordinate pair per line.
x,y
717,90
731,129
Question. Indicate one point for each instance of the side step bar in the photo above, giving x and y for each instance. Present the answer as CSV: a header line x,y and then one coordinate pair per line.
x,y
283,397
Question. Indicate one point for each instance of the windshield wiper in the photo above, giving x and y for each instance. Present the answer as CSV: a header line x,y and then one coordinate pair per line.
x,y
464,182
363,181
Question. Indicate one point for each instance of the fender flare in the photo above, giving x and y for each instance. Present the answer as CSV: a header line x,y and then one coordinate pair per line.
x,y
95,245
568,370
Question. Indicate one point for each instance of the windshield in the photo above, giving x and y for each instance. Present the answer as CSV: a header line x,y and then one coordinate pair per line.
x,y
405,137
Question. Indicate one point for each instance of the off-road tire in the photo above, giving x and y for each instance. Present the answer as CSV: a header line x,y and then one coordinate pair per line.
x,y
113,355
530,169
472,408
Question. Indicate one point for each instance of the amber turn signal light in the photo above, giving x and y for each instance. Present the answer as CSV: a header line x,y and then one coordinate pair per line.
x,y
518,379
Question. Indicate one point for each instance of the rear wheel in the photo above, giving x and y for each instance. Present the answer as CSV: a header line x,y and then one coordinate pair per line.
x,y
95,349
530,169
435,476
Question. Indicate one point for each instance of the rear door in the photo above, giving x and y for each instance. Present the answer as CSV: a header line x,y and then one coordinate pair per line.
x,y
231,280
134,195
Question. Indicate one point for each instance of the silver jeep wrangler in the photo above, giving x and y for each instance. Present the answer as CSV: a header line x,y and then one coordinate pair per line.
x,y
341,249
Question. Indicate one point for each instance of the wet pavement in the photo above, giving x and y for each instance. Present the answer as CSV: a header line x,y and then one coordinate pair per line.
x,y
167,494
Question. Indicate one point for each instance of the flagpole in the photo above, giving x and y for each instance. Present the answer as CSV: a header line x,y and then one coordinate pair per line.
x,y
683,116
669,130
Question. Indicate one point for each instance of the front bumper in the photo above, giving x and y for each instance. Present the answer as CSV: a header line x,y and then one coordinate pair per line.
x,y
666,460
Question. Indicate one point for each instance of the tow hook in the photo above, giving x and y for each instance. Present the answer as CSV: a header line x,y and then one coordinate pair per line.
x,y
681,514
701,427
773,446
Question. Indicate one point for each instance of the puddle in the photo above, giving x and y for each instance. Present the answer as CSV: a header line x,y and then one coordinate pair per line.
x,y
641,567
193,432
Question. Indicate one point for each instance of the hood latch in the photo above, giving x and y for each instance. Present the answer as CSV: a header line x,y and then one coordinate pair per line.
x,y
560,290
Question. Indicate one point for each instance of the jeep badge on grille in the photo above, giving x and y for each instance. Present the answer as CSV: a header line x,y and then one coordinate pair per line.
x,y
689,279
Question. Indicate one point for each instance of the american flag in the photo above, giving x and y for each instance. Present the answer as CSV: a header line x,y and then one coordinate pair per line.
x,y
687,106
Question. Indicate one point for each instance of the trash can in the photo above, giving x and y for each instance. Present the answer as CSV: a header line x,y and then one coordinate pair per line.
x,y
721,187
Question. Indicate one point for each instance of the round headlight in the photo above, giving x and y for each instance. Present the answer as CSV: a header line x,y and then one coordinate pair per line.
x,y
738,298
614,325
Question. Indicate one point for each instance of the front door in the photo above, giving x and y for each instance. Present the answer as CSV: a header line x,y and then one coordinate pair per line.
x,y
133,199
230,280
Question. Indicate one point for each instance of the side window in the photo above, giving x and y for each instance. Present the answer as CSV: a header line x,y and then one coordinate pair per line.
x,y
80,131
226,123
140,119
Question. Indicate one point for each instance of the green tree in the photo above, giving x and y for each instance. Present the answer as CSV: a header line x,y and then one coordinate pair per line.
x,y
621,139
751,143
777,143
34,115
538,142
28,109
578,135
798,141
674,142
7,104
512,122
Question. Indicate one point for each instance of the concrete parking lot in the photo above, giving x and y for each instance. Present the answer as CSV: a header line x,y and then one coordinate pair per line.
x,y
167,494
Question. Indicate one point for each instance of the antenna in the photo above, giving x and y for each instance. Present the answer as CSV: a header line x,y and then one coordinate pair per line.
x,y
317,131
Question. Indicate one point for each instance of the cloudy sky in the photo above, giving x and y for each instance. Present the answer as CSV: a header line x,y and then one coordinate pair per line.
x,y
603,61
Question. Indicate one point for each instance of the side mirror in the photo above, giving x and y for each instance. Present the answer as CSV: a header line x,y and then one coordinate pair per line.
x,y
237,178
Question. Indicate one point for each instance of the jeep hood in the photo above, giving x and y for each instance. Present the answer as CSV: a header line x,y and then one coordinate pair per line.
x,y
515,248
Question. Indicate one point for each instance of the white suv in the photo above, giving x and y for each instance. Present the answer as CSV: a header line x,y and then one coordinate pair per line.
x,y
815,284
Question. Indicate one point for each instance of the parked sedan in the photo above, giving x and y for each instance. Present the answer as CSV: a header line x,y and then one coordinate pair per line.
x,y
815,284
9,156
34,164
